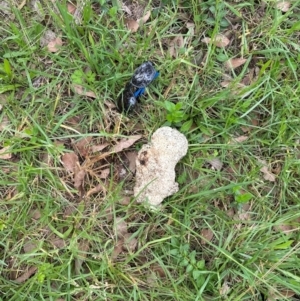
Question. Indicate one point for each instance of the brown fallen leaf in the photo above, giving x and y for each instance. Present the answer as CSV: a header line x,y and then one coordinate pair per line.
x,y
71,8
83,247
131,156
284,6
80,90
215,163
234,63
79,178
284,228
57,242
104,173
26,275
157,269
132,25
30,246
268,175
4,153
4,123
207,234
120,227
219,41
54,45
99,148
130,242
280,295
176,44
118,248
69,161
35,214
125,143
238,139
83,146
145,18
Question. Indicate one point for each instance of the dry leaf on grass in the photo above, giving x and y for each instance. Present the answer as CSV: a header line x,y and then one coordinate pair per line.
x,y
30,246
79,178
207,234
99,148
234,63
120,227
83,146
131,156
130,243
125,143
238,139
69,161
145,18
26,275
157,269
284,6
104,173
215,163
71,8
268,175
284,228
132,25
80,90
219,41
4,153
117,249
4,123
35,214
280,295
54,45
83,247
175,44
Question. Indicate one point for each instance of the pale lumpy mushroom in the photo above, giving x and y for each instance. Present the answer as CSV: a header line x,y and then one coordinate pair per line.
x,y
155,166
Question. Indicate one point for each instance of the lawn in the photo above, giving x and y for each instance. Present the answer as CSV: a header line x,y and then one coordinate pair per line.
x,y
70,228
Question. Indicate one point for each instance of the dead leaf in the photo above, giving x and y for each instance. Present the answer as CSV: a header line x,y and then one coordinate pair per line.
x,y
125,143
234,63
57,242
117,249
235,85
145,18
157,269
35,214
239,139
120,227
132,25
79,178
83,247
4,123
125,201
176,44
130,242
71,8
279,295
83,146
98,188
215,163
284,228
80,90
284,6
30,246
69,161
224,289
4,153
207,234
54,45
26,275
99,148
269,176
219,41
131,156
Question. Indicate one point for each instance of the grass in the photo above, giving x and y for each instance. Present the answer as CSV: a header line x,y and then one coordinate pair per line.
x,y
67,242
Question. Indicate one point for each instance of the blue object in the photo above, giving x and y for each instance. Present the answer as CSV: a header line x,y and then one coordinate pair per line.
x,y
141,78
